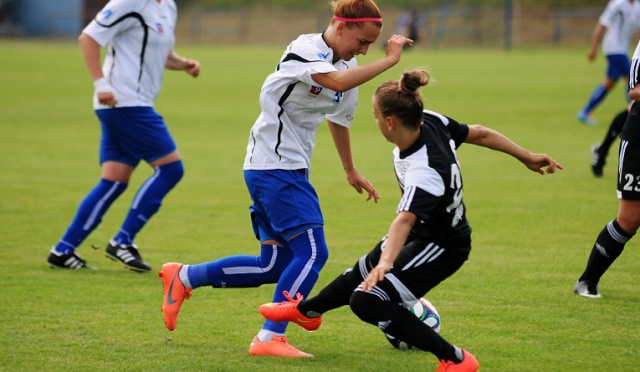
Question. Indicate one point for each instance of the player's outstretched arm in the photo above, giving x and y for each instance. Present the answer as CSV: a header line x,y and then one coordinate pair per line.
x,y
486,137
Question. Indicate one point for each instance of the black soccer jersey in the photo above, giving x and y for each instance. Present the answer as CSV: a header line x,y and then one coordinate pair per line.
x,y
429,176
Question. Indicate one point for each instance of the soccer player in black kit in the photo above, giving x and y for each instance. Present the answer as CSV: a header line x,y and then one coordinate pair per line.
x,y
430,237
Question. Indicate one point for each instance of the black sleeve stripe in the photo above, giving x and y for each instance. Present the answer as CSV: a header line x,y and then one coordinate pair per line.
x,y
294,57
137,16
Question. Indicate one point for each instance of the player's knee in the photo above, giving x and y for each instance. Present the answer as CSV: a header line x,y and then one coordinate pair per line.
x,y
363,305
172,172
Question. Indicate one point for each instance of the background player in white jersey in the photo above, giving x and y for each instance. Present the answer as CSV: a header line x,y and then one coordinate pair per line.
x,y
618,22
614,236
140,38
430,237
315,80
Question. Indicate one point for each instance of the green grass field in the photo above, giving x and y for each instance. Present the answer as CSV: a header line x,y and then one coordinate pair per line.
x,y
511,304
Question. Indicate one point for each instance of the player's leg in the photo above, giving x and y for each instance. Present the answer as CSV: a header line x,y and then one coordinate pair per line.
x,y
293,210
116,172
386,305
601,151
614,236
617,67
239,271
310,255
143,134
307,313
230,272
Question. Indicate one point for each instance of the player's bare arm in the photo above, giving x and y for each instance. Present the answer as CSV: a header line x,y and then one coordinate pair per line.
x,y
342,141
486,137
91,55
179,63
341,81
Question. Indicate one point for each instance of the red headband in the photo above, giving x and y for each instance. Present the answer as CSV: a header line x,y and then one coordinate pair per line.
x,y
357,19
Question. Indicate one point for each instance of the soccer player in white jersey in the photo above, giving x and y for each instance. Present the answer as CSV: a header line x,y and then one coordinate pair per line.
x,y
140,39
315,80
430,237
618,22
614,236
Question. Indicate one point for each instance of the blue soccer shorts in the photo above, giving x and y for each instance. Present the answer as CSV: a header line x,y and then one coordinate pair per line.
x,y
131,134
618,66
284,203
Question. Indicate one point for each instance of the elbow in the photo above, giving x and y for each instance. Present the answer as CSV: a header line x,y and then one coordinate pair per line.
x,y
477,133
340,87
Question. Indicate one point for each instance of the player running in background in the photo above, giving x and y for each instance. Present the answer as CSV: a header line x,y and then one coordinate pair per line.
x,y
612,238
430,237
140,35
316,79
618,22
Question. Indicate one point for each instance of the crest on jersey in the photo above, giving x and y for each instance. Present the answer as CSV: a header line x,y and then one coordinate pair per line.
x,y
314,91
337,98
159,28
401,167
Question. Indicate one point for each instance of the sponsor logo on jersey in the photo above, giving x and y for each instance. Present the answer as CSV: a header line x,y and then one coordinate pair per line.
x,y
159,28
314,91
323,56
349,117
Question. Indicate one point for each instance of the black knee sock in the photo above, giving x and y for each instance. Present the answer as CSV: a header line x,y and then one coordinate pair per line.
x,y
614,130
400,323
336,294
606,249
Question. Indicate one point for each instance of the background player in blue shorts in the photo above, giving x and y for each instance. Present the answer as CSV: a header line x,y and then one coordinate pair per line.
x,y
618,22
126,87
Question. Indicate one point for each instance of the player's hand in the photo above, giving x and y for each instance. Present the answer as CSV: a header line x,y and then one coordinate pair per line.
x,y
107,99
192,67
104,92
358,182
375,275
395,45
538,163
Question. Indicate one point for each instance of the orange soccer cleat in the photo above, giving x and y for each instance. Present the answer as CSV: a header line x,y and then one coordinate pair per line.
x,y
287,311
174,293
469,364
277,346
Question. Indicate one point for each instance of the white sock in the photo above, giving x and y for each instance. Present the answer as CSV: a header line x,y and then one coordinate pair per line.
x,y
265,335
184,276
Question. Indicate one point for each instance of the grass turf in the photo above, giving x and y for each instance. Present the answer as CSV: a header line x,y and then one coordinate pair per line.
x,y
511,305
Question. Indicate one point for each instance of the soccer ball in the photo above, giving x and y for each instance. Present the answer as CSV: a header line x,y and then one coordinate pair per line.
x,y
426,312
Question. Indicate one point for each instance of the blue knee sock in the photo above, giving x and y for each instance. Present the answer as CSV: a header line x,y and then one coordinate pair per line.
x,y
310,255
242,271
596,97
148,200
89,214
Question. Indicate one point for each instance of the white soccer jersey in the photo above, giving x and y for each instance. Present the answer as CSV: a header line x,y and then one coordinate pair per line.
x,y
622,19
293,106
140,34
